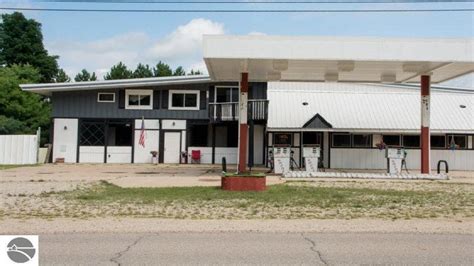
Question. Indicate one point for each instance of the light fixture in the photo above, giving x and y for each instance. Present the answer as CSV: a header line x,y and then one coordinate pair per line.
x,y
388,78
462,106
415,67
331,77
280,65
305,103
65,127
345,66
273,76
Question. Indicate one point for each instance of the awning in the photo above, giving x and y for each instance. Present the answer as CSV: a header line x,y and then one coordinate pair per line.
x,y
343,59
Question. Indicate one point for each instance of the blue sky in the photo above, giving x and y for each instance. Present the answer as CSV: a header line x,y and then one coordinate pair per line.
x,y
98,40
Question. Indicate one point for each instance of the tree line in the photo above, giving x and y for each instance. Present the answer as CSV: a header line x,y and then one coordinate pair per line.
x,y
24,59
121,71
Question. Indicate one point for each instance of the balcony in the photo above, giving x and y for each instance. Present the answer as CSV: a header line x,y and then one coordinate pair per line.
x,y
220,112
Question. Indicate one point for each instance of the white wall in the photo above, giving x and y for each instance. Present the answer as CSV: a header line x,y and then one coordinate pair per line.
x,y
91,154
119,154
152,140
375,159
206,154
18,149
65,139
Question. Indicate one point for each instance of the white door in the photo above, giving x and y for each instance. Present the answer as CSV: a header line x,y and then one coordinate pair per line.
x,y
171,148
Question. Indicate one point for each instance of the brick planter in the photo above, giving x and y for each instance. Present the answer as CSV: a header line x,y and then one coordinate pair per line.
x,y
244,183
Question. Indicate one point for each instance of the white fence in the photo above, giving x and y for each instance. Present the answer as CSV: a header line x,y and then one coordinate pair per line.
x,y
18,149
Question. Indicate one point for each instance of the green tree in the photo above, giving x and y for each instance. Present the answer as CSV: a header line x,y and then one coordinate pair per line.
x,y
143,71
61,76
179,71
84,75
195,72
119,71
21,42
162,70
21,112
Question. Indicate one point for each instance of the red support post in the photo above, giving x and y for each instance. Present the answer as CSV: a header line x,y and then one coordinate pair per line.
x,y
243,127
425,125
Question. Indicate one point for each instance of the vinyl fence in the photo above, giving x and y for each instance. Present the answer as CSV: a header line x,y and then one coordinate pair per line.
x,y
19,149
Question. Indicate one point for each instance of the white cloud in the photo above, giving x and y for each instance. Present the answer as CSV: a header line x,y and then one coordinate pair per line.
x,y
182,47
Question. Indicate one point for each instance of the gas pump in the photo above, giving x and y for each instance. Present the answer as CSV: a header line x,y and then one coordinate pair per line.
x,y
281,157
311,158
394,156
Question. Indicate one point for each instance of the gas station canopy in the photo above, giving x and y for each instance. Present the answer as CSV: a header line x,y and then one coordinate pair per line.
x,y
342,59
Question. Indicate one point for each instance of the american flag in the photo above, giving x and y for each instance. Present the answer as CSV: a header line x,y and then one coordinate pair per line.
x,y
141,141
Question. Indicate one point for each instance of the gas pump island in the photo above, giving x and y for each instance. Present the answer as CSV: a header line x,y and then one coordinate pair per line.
x,y
282,159
395,157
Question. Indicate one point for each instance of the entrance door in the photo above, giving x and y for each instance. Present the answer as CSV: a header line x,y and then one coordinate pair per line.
x,y
172,147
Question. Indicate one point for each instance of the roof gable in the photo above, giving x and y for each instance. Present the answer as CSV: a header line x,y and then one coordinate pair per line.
x,y
317,121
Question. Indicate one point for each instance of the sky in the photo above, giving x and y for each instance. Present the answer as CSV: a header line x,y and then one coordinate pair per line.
x,y
96,41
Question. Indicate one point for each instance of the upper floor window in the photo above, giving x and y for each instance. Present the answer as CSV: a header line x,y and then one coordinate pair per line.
x,y
139,99
106,97
184,100
227,94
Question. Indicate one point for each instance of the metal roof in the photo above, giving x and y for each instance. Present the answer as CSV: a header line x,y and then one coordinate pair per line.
x,y
366,107
344,59
47,88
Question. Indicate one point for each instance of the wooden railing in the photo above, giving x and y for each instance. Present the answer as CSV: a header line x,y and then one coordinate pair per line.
x,y
257,110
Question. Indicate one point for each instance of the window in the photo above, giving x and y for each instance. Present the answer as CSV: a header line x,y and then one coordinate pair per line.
x,y
184,100
198,135
438,141
362,140
103,97
139,99
92,133
411,141
341,140
227,94
283,139
458,141
391,140
311,138
119,134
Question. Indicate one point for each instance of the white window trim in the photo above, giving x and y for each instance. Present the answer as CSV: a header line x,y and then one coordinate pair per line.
x,y
139,92
170,99
100,93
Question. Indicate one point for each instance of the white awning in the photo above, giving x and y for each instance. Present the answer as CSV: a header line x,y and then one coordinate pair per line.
x,y
344,59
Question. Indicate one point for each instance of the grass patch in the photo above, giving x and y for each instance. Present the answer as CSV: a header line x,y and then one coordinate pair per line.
x,y
10,166
282,201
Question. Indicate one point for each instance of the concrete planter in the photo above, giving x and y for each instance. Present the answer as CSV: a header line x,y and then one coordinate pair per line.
x,y
244,183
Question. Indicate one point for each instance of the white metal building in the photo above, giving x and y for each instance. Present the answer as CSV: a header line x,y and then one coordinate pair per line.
x,y
349,120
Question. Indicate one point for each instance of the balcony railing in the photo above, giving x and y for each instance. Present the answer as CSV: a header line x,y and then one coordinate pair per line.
x,y
257,110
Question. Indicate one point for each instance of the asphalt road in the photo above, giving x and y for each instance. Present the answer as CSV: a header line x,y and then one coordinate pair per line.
x,y
256,248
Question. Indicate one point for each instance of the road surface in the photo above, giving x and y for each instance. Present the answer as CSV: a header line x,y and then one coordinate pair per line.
x,y
255,248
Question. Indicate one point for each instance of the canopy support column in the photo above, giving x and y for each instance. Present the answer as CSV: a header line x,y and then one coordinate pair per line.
x,y
425,125
243,127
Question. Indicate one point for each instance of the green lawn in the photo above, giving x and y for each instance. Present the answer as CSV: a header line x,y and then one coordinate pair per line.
x,y
283,201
